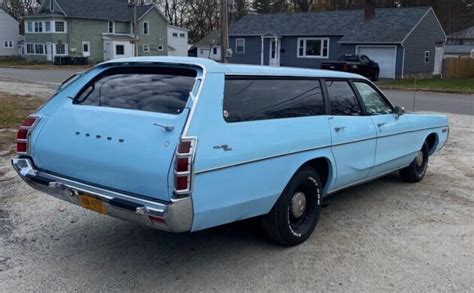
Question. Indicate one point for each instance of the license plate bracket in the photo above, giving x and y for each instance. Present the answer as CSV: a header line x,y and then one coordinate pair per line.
x,y
92,203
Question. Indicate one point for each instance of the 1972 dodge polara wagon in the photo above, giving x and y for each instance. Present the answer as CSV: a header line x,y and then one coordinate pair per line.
x,y
183,144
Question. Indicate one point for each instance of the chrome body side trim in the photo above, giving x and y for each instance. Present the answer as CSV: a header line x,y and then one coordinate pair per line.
x,y
175,216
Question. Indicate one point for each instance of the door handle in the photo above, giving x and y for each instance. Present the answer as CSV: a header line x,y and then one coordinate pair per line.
x,y
381,124
340,128
164,126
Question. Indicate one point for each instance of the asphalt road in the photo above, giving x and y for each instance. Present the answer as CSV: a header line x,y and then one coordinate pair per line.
x,y
424,101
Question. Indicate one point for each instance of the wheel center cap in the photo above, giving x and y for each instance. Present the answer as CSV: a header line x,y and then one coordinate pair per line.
x,y
298,204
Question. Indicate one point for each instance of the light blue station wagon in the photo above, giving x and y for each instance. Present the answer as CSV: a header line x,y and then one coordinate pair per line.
x,y
184,144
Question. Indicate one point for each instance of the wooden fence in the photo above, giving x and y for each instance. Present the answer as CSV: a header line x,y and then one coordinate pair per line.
x,y
458,67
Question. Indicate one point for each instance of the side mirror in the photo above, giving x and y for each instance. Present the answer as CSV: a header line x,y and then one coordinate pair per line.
x,y
399,111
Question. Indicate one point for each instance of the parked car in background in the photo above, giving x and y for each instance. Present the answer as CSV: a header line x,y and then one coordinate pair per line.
x,y
362,65
184,144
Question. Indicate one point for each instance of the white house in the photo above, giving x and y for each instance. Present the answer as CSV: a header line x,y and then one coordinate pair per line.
x,y
210,46
177,41
9,35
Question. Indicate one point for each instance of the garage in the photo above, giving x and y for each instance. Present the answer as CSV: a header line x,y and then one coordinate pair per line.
x,y
385,56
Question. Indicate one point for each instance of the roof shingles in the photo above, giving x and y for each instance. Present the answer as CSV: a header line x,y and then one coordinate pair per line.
x,y
390,25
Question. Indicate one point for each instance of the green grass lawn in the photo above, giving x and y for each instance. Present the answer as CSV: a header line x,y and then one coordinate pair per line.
x,y
465,85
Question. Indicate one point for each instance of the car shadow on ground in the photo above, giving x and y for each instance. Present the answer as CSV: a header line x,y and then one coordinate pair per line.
x,y
106,248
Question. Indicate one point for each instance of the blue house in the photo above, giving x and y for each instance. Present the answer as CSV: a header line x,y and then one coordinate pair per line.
x,y
404,41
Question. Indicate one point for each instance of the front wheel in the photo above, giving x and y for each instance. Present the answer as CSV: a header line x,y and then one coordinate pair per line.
x,y
295,215
416,171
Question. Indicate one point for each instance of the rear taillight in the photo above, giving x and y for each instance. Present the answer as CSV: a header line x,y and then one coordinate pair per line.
x,y
23,135
183,166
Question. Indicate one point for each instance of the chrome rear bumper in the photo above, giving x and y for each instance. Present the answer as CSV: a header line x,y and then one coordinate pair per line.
x,y
174,216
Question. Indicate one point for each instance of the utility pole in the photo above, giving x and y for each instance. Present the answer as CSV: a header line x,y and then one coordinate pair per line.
x,y
224,31
135,27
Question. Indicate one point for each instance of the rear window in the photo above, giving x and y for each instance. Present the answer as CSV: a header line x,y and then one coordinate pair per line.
x,y
154,89
247,98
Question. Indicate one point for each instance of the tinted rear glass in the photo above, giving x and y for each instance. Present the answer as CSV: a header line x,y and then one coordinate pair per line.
x,y
154,89
247,99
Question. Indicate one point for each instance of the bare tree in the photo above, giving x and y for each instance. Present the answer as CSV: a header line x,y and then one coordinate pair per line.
x,y
18,9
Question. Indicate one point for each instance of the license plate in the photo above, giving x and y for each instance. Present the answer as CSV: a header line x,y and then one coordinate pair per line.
x,y
92,203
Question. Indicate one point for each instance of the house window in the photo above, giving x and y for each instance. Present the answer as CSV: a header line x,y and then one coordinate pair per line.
x,y
201,51
146,27
182,35
214,50
119,50
313,47
38,26
51,6
8,44
427,56
146,48
86,47
175,35
160,48
39,49
30,49
29,27
47,26
240,46
111,28
60,49
59,26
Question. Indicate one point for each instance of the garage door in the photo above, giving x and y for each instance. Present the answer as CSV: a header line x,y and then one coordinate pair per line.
x,y
384,56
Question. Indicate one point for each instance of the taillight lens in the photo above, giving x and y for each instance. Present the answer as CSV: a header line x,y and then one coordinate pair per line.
x,y
22,136
183,166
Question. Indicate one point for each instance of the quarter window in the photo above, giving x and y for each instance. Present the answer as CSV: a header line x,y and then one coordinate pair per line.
x,y
164,90
374,103
247,99
342,99
313,47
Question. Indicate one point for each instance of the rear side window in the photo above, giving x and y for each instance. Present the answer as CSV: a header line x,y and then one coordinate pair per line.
x,y
154,89
247,99
342,99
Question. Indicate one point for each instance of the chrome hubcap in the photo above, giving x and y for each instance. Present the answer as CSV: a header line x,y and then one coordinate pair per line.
x,y
298,204
419,159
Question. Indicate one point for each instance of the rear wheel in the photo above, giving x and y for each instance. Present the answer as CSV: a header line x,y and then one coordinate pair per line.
x,y
295,215
416,171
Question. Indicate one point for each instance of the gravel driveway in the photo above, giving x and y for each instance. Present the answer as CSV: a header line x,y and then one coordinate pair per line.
x,y
382,236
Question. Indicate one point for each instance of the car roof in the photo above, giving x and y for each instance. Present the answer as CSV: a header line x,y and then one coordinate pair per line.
x,y
211,66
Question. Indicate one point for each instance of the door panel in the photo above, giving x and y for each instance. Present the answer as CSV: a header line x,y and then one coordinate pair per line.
x,y
354,144
395,142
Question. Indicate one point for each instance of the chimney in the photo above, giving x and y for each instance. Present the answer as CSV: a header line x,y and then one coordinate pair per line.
x,y
369,12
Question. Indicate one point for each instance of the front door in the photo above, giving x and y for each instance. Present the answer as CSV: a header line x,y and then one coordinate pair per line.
x,y
394,138
353,135
438,60
49,51
274,59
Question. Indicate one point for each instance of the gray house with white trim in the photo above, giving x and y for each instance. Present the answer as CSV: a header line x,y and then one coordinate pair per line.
x,y
404,41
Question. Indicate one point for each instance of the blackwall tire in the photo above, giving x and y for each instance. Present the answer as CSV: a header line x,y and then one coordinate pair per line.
x,y
295,215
